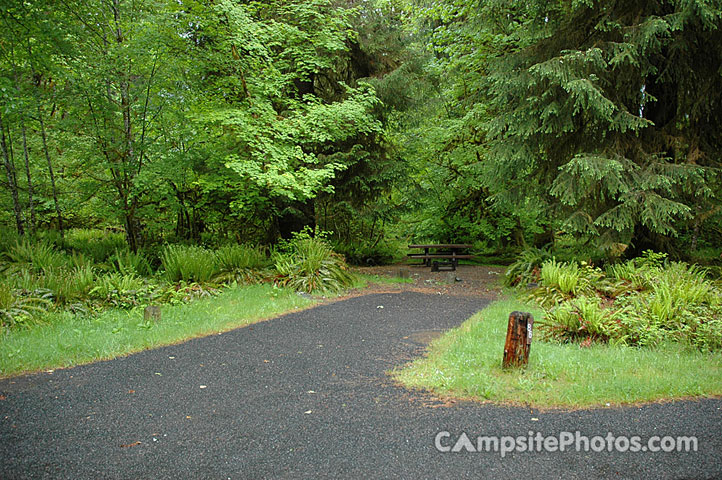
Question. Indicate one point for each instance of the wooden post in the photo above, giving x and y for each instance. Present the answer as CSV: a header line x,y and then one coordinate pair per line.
x,y
152,313
518,339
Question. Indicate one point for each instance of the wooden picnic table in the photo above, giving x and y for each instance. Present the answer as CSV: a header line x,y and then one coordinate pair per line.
x,y
443,254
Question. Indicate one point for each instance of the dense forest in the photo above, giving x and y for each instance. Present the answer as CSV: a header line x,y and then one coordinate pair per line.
x,y
587,125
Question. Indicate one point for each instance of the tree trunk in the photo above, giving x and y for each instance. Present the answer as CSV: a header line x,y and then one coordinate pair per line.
x,y
31,202
131,231
50,171
12,183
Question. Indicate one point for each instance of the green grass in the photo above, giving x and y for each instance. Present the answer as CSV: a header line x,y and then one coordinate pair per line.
x,y
66,340
466,362
363,280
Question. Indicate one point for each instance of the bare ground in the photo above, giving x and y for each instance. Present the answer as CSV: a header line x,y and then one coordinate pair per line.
x,y
467,280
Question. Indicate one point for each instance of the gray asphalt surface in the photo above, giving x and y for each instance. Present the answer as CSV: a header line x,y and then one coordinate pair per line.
x,y
306,396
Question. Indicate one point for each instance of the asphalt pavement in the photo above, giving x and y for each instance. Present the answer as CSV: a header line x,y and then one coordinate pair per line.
x,y
306,395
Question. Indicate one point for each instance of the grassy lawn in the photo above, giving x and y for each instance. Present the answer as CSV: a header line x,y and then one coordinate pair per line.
x,y
66,340
466,362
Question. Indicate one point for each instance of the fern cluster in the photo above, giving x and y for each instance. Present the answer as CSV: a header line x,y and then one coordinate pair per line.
x,y
640,302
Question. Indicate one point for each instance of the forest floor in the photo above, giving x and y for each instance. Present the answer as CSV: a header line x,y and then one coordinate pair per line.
x,y
468,281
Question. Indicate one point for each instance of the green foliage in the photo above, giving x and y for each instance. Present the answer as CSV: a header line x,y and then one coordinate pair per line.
x,y
121,290
183,292
188,264
68,285
708,335
582,318
240,263
19,307
566,280
129,263
582,116
527,267
498,124
312,267
36,255
644,302
99,245
366,254
8,239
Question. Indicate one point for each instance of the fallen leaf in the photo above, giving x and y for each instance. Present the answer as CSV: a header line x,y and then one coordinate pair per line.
x,y
310,391
159,374
188,417
534,419
308,411
3,397
203,386
134,444
131,391
266,361
171,358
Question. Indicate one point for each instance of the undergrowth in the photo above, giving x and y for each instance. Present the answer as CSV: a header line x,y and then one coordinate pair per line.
x,y
641,302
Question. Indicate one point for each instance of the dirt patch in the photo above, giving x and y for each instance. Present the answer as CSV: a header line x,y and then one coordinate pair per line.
x,y
467,280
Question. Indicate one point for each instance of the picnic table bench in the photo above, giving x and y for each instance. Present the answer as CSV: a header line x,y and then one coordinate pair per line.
x,y
441,255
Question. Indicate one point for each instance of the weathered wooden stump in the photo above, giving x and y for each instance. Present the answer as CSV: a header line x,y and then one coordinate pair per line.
x,y
404,273
518,339
152,313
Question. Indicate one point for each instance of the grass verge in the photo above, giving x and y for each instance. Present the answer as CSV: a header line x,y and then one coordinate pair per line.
x,y
466,362
364,280
66,340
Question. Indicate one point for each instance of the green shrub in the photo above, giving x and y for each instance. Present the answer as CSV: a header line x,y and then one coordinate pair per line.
x,y
649,299
121,290
38,255
628,277
19,307
8,238
562,281
527,268
99,245
183,292
129,263
152,253
365,254
68,285
312,266
188,264
581,318
240,263
708,335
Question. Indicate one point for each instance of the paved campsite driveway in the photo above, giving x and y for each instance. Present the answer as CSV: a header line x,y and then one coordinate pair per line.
x,y
305,396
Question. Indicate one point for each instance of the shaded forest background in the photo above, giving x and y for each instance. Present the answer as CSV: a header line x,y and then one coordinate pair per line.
x,y
586,125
